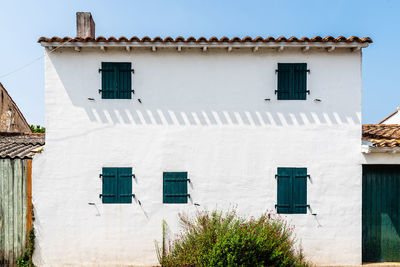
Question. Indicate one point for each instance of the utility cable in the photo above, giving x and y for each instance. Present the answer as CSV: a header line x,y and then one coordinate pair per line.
x,y
33,61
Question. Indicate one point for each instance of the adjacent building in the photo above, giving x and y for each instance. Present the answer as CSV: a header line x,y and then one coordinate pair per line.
x,y
381,193
18,145
11,118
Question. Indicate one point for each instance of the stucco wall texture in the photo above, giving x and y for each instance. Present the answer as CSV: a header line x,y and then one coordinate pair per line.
x,y
203,113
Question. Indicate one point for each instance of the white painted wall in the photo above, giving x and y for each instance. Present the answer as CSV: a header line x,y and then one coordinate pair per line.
x,y
203,113
395,119
381,158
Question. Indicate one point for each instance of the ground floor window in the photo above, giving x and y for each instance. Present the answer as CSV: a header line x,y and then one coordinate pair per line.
x,y
175,189
291,190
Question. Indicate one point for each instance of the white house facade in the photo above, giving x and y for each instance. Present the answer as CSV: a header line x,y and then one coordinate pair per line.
x,y
138,130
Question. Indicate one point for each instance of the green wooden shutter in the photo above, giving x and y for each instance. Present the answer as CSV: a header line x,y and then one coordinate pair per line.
x,y
116,80
108,80
110,188
284,81
124,185
124,81
292,190
292,81
299,190
284,181
175,187
300,81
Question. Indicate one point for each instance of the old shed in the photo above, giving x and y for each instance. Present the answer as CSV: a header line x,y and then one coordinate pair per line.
x,y
16,153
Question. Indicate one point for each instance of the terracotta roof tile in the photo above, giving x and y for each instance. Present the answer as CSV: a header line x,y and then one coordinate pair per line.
x,y
382,135
210,40
20,145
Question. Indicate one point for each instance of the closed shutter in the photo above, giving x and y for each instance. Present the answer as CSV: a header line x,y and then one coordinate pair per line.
x,y
108,80
284,179
110,185
175,187
292,190
292,81
124,81
299,190
300,81
116,80
124,185
284,81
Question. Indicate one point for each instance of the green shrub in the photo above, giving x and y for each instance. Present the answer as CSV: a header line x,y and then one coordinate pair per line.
x,y
26,259
37,129
226,239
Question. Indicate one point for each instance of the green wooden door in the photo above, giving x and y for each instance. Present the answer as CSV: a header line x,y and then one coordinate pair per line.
x,y
381,213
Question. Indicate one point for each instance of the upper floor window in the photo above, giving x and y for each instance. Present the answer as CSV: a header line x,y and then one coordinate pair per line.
x,y
292,81
116,80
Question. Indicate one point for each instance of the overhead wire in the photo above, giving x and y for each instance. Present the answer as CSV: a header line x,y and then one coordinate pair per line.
x,y
33,61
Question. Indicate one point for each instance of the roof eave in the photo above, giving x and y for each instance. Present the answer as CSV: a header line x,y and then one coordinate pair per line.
x,y
139,44
373,149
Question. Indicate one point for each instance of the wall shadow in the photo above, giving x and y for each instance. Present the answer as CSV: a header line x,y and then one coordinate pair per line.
x,y
198,102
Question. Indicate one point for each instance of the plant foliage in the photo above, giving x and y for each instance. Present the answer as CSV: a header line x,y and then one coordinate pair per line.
x,y
226,239
26,259
37,129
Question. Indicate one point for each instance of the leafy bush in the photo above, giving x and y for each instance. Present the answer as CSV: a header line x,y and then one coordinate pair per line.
x,y
37,129
226,239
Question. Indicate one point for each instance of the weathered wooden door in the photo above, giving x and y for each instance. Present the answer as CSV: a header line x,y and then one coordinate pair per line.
x,y
15,218
381,213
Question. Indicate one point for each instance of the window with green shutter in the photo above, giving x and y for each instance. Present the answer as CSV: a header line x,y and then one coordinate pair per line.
x,y
292,190
116,80
292,81
175,187
117,185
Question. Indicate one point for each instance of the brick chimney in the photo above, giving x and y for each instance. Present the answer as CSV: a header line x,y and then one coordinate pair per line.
x,y
84,25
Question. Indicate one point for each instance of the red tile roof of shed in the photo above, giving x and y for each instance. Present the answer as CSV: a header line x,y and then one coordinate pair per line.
x,y
382,135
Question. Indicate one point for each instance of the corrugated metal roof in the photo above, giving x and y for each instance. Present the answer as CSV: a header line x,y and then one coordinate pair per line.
x,y
20,145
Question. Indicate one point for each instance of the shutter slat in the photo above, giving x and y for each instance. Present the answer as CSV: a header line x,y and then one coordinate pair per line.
x,y
284,181
124,185
300,190
124,81
283,81
109,191
300,77
107,80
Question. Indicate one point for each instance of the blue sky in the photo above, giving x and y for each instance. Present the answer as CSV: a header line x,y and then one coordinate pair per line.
x,y
24,21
